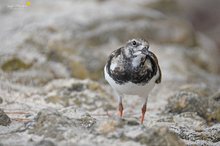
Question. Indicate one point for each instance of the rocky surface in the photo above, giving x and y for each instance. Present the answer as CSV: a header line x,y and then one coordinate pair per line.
x,y
52,91
198,100
4,119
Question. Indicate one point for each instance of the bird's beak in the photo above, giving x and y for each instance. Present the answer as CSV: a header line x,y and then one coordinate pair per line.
x,y
144,51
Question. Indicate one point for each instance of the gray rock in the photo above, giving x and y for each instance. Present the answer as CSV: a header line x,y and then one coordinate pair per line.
x,y
15,64
159,137
45,143
87,121
51,123
31,72
79,93
153,136
194,99
4,119
207,136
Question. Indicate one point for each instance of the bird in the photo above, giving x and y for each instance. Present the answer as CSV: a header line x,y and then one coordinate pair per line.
x,y
133,70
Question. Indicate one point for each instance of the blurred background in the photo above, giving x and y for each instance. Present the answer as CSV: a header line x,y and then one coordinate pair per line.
x,y
72,38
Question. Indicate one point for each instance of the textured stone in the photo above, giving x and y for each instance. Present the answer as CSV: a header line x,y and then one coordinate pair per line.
x,y
51,123
79,93
14,64
4,119
45,143
194,99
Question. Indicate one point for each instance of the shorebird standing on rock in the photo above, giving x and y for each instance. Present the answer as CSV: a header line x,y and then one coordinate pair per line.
x,y
133,70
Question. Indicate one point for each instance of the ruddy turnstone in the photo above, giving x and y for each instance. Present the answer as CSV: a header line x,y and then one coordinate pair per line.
x,y
133,70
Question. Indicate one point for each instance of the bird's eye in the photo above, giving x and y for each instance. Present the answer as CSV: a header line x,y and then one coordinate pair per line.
x,y
134,43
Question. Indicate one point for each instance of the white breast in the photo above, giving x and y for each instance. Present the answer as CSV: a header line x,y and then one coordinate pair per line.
x,y
130,88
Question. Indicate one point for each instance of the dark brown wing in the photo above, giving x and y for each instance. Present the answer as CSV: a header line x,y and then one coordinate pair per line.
x,y
115,53
158,80
119,75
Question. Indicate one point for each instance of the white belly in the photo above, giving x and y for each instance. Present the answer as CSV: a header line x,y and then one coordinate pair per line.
x,y
131,88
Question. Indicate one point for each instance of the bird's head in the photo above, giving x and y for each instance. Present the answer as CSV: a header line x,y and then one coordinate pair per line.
x,y
136,47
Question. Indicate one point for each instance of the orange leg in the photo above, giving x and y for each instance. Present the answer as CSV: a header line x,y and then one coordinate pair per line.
x,y
120,109
144,109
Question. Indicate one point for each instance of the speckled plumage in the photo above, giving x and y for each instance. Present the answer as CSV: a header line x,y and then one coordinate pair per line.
x,y
122,69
